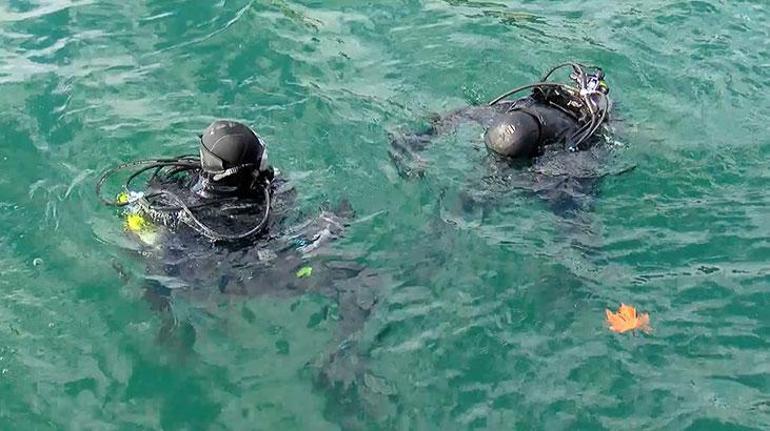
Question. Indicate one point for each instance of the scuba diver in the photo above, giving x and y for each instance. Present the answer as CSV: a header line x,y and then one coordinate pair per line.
x,y
229,179
223,224
545,129
226,219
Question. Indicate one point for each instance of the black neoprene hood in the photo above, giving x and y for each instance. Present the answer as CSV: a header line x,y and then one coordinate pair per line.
x,y
228,144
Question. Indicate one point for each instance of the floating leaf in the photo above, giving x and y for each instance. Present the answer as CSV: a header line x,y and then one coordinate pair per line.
x,y
626,320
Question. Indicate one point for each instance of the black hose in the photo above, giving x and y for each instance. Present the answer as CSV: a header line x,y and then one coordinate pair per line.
x,y
181,164
586,131
192,221
524,87
590,132
171,208
576,67
598,124
148,164
157,168
578,137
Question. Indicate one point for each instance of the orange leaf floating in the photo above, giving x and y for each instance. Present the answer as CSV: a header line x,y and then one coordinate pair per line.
x,y
626,320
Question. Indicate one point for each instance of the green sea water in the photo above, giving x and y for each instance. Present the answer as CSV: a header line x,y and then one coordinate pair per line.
x,y
488,317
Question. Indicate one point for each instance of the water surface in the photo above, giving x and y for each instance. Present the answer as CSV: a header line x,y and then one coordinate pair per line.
x,y
487,317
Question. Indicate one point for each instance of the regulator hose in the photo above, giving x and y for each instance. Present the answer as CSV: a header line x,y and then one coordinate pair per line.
x,y
184,163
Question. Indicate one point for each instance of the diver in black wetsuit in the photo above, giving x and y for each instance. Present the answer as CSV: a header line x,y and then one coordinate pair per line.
x,y
552,122
553,114
225,218
224,223
229,179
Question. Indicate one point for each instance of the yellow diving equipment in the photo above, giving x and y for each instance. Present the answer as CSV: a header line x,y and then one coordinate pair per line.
x,y
134,218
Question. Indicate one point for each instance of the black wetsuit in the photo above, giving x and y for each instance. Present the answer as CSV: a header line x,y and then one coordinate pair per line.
x,y
289,257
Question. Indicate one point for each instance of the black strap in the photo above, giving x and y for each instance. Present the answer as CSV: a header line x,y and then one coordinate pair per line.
x,y
536,117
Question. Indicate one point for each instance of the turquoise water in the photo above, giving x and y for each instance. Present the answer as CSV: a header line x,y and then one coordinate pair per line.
x,y
487,317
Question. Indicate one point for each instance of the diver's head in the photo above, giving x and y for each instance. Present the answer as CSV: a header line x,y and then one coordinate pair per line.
x,y
232,157
514,134
229,145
